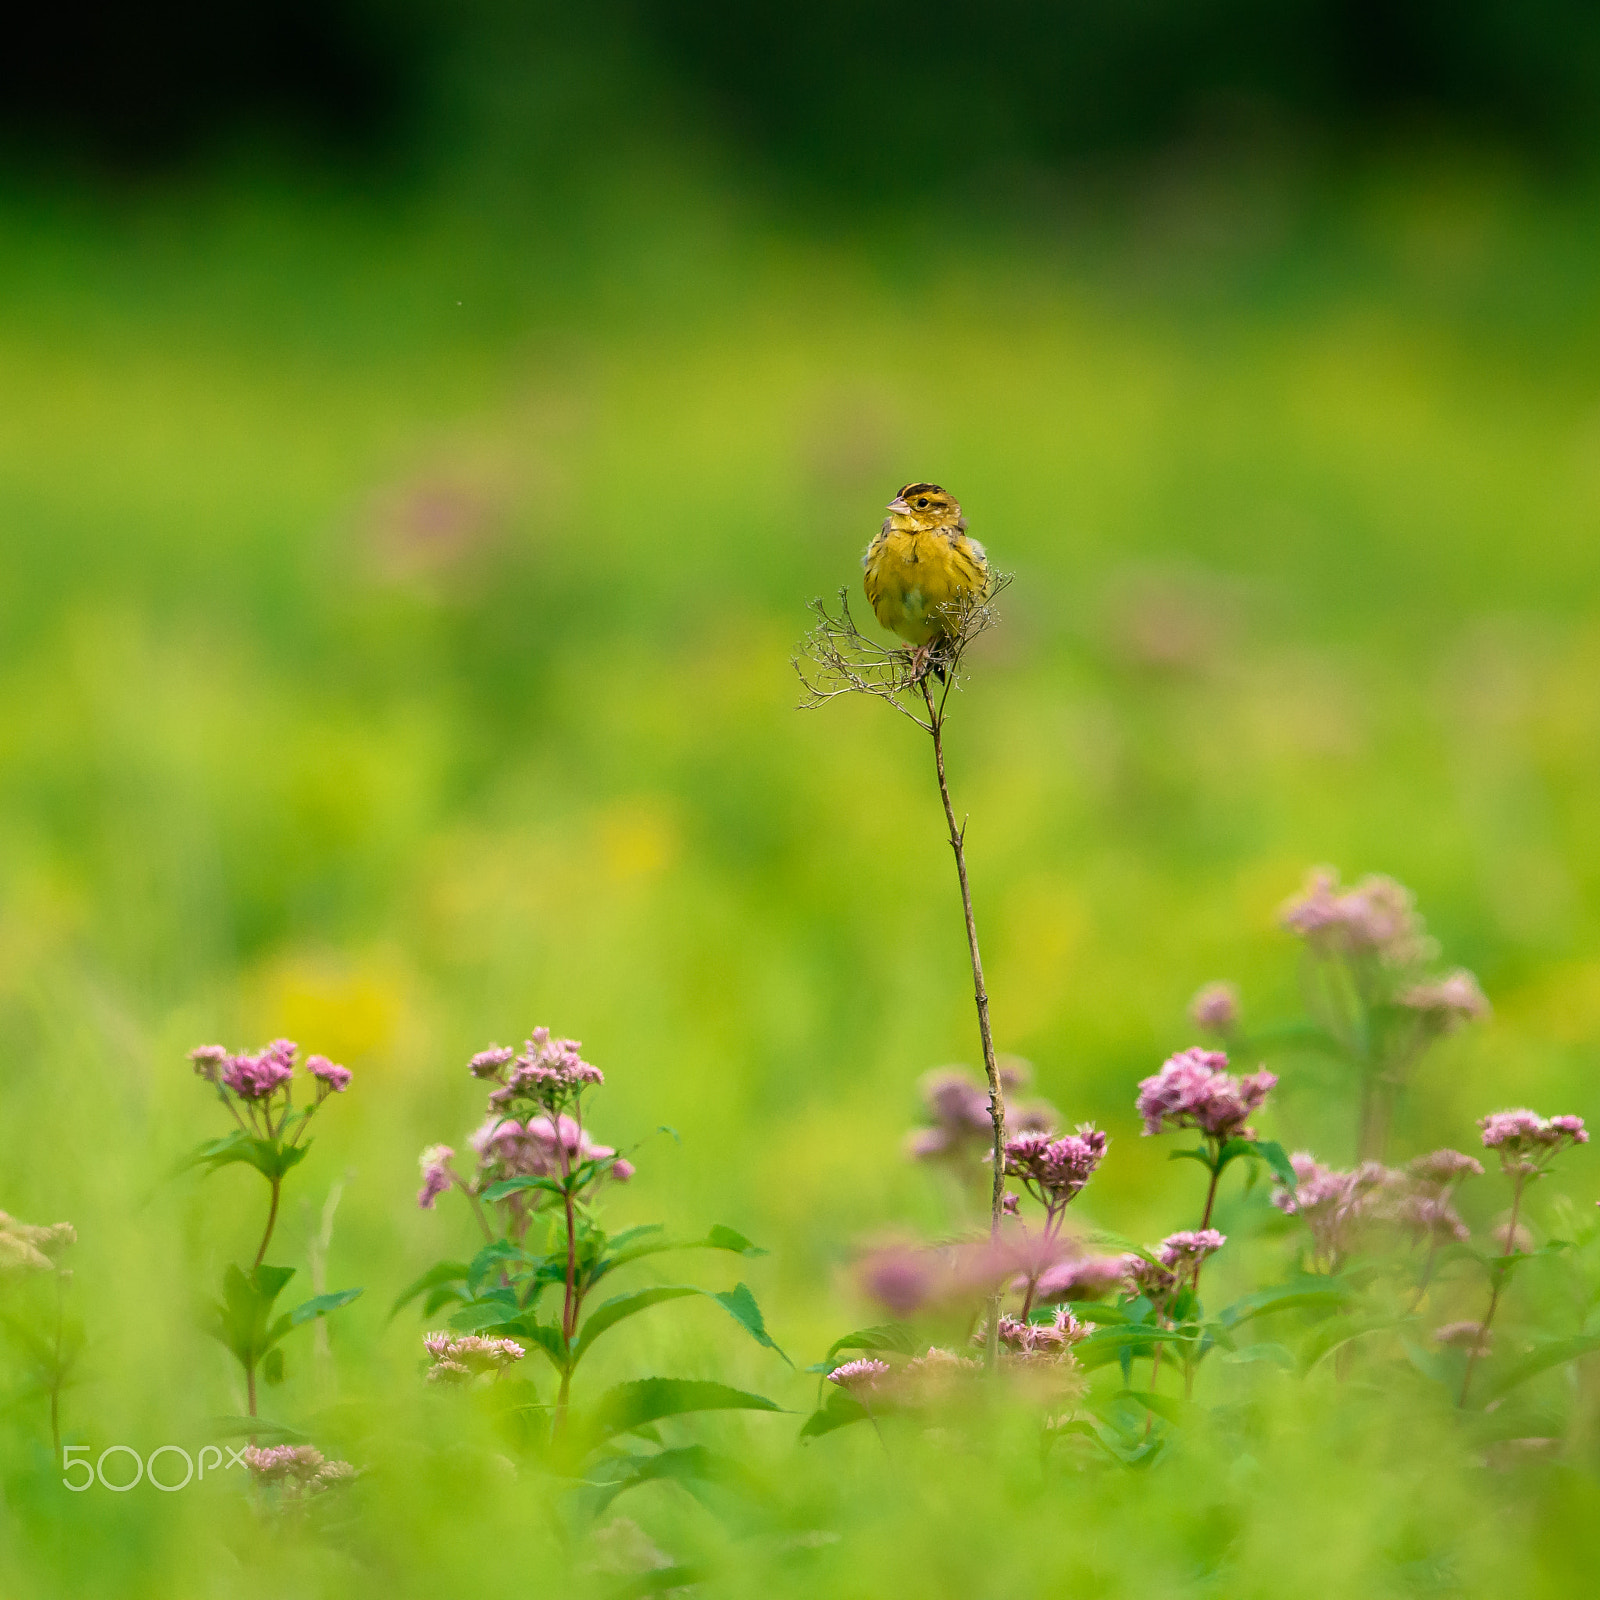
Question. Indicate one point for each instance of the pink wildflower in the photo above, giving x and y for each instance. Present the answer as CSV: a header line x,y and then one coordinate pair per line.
x,y
860,1377
1441,1168
487,1063
1195,1090
470,1354
1334,1205
1215,1008
1377,915
1054,1171
209,1060
258,1076
1448,1002
902,1278
436,1174
1087,1278
1472,1337
336,1078
1180,1252
1526,1142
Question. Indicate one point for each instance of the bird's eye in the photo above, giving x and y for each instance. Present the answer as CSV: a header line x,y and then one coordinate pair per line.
x,y
922,502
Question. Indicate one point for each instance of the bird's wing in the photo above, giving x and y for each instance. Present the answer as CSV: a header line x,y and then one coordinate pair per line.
x,y
874,542
979,554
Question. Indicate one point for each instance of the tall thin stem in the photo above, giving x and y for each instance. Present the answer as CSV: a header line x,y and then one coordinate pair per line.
x,y
1499,1277
980,995
272,1222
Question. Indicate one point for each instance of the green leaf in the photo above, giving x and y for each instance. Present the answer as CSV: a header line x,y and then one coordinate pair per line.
x,y
1202,1155
839,1410
216,1153
609,1313
658,1580
437,1276
1443,1367
887,1336
725,1238
1109,1344
494,1310
1309,1291
283,1158
255,1427
1168,1407
1268,1354
1334,1333
689,1465
1232,1150
269,1282
242,1316
649,1399
272,1367
510,1186
1554,1354
719,1238
631,1236
320,1305
1270,1151
740,1304
546,1336
494,1258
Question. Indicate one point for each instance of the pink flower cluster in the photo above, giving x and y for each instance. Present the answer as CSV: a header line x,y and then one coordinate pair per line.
x,y
1181,1252
1194,1089
1334,1205
1526,1132
957,1106
551,1144
1083,1278
458,1357
541,1147
437,1174
298,1468
549,1070
860,1377
1377,915
258,1077
1054,1170
1039,1339
1446,1003
1177,1263
255,1077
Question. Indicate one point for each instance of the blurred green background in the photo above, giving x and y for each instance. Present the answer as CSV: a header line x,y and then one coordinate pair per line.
x,y
416,453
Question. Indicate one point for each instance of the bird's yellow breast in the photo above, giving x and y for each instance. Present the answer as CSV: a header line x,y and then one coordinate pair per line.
x,y
915,581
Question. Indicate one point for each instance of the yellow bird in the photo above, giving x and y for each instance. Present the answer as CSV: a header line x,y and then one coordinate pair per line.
x,y
922,566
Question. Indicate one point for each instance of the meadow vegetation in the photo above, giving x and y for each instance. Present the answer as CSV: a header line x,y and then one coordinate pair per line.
x,y
395,626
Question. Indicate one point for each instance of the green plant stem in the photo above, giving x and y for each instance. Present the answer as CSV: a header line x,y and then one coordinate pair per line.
x,y
980,994
250,1391
55,1370
1499,1278
272,1222
567,1307
1211,1200
1373,1135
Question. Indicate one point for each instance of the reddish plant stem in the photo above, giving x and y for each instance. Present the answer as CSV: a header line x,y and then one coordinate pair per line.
x,y
272,1222
1494,1289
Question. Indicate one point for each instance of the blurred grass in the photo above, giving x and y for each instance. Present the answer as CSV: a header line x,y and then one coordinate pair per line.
x,y
394,627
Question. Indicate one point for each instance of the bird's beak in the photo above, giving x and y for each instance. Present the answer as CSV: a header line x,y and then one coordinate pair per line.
x,y
899,506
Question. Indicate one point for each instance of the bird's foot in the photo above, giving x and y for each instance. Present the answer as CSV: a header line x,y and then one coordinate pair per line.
x,y
921,661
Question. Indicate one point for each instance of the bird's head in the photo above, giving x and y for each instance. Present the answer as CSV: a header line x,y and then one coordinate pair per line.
x,y
920,507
